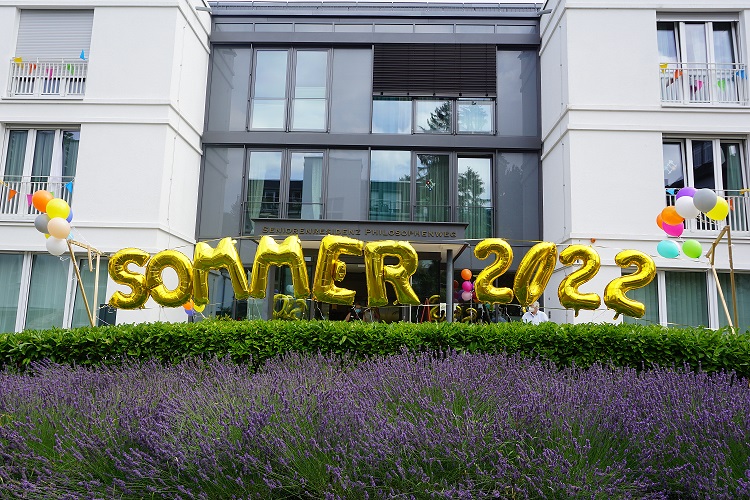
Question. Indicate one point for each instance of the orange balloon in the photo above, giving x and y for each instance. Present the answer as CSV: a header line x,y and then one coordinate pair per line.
x,y
466,274
40,199
659,221
188,305
670,216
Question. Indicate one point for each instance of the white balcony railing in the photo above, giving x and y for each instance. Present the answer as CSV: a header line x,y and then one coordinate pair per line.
x,y
710,83
63,78
14,191
739,210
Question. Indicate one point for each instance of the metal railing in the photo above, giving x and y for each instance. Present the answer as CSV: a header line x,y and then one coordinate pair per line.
x,y
63,78
15,192
739,209
710,83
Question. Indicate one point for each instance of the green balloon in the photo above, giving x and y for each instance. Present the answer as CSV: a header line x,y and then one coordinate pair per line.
x,y
692,248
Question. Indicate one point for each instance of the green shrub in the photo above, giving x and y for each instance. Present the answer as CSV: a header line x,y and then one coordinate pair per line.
x,y
256,341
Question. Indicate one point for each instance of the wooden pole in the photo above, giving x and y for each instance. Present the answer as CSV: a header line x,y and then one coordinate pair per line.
x,y
80,282
723,300
96,286
731,277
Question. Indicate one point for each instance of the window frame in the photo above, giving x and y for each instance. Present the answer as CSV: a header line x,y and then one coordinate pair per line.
x,y
56,165
454,114
290,89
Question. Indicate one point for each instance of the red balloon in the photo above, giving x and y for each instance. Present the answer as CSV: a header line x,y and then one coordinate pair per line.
x,y
466,274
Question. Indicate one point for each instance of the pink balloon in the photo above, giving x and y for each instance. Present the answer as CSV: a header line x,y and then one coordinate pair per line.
x,y
673,230
467,286
466,296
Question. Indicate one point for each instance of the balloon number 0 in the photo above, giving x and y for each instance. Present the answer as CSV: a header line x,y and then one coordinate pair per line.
x,y
535,271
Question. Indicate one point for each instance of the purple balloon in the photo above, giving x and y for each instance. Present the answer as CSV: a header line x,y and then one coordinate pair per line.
x,y
466,295
673,230
70,216
467,286
190,312
686,191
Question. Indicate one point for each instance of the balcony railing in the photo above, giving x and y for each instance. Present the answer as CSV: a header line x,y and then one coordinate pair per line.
x,y
709,83
739,209
63,78
14,191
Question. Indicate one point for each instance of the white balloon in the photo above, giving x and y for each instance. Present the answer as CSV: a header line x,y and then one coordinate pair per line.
x,y
56,246
686,208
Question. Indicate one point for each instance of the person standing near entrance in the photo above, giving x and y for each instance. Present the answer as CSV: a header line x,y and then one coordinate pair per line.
x,y
534,315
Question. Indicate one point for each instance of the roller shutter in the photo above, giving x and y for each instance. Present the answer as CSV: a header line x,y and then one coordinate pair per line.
x,y
54,34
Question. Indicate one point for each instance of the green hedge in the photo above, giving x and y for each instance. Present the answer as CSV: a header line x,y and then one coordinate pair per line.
x,y
584,344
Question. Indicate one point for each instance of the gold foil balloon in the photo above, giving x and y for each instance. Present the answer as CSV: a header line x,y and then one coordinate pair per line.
x,y
270,253
119,272
377,273
290,308
330,269
485,291
614,293
570,297
436,315
184,269
534,272
225,256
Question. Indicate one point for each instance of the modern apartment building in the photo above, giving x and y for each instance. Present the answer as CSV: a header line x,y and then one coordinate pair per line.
x,y
414,121
639,100
101,103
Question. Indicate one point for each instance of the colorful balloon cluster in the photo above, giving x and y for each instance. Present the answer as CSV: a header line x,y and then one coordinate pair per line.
x,y
689,203
54,221
466,293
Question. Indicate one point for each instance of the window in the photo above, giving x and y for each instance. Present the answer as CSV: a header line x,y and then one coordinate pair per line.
x,y
414,186
10,276
393,115
230,80
716,164
677,299
699,62
51,53
37,159
284,184
290,90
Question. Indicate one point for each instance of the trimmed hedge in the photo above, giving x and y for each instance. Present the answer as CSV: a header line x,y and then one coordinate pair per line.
x,y
256,341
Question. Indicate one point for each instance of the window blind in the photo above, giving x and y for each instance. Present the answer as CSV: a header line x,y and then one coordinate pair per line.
x,y
435,69
54,34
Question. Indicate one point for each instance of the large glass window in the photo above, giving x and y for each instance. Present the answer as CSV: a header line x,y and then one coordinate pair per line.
x,y
10,277
698,62
433,116
306,186
742,289
687,300
475,196
263,186
716,164
49,281
649,297
351,89
518,93
475,115
433,182
347,185
230,79
308,79
390,185
391,115
221,192
518,196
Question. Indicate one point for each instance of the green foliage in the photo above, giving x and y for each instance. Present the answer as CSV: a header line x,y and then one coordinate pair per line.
x,y
582,345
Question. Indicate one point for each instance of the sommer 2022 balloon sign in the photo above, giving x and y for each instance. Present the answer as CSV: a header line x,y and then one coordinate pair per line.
x,y
532,276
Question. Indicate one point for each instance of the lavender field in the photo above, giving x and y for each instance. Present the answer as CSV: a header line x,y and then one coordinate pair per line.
x,y
404,426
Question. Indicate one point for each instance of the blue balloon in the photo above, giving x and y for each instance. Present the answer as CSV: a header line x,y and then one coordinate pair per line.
x,y
668,249
70,216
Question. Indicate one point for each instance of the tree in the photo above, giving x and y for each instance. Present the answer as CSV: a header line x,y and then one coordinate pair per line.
x,y
472,205
440,119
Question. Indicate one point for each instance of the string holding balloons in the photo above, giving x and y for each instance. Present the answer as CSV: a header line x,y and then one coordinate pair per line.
x,y
689,204
53,221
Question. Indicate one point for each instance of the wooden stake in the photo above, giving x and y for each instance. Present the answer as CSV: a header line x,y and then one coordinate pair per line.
x,y
96,286
80,282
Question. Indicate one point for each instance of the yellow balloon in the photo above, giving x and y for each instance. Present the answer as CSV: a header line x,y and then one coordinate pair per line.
x,y
198,307
270,253
568,293
377,273
485,291
534,272
720,210
289,308
118,271
436,315
330,269
614,293
225,256
184,269
57,207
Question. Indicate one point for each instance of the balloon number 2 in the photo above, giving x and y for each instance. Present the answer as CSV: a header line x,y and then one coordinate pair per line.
x,y
535,271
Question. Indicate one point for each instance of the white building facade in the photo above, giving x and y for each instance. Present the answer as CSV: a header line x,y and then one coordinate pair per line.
x,y
639,100
101,103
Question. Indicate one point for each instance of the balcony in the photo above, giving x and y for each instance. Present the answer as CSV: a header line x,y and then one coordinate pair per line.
x,y
55,79
704,83
15,192
739,208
